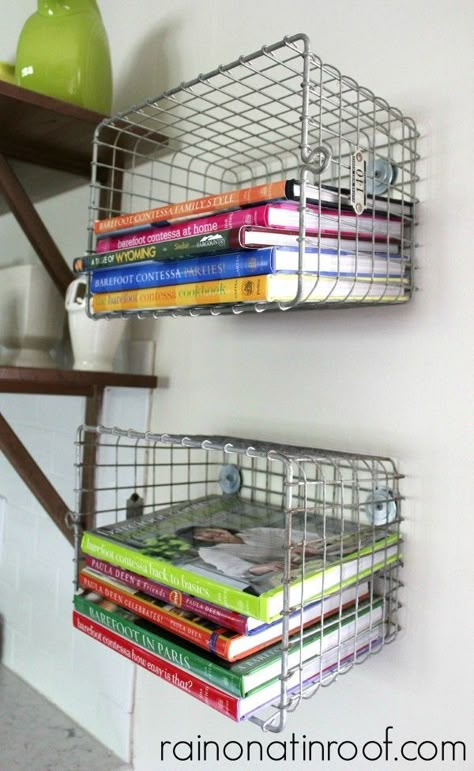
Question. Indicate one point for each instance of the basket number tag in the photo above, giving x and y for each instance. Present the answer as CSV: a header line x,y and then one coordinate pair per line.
x,y
358,186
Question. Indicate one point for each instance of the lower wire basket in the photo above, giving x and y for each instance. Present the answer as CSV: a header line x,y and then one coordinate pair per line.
x,y
247,573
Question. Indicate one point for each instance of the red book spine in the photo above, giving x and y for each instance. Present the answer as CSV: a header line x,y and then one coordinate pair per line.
x,y
227,618
188,631
222,702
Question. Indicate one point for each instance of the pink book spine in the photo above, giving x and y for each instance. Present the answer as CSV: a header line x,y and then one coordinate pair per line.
x,y
328,222
228,618
223,702
255,215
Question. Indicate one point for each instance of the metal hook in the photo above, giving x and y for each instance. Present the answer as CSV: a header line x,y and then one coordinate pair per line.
x,y
309,156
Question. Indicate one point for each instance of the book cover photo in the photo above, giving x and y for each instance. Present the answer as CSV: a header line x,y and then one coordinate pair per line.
x,y
232,552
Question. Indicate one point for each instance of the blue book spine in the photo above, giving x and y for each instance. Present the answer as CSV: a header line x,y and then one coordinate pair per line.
x,y
245,262
248,262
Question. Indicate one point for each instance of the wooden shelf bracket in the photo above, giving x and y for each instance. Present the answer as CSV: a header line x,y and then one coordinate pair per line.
x,y
34,227
31,474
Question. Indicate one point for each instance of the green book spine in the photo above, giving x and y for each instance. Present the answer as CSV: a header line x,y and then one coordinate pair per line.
x,y
171,575
223,240
121,622
265,607
241,677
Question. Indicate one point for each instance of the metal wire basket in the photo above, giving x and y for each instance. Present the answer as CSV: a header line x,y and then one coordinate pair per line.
x,y
278,113
121,473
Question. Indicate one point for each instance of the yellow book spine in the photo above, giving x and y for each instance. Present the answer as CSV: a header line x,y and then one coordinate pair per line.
x,y
233,290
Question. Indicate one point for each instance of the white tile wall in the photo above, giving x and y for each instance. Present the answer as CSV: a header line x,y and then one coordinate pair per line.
x,y
88,682
2,523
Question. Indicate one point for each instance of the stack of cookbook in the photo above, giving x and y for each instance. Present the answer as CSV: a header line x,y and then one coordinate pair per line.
x,y
255,244
213,595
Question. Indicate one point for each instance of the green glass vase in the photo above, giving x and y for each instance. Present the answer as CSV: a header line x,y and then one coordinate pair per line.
x,y
63,52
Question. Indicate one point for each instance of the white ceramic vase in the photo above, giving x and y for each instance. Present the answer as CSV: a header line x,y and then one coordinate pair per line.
x,y
94,341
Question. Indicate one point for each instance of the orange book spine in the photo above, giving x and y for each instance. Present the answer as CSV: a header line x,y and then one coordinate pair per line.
x,y
233,290
151,612
208,204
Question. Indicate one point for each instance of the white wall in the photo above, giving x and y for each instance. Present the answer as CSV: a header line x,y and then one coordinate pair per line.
x,y
394,381
37,571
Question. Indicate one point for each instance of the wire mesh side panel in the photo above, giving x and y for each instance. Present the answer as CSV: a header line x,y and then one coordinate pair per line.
x,y
279,113
342,503
338,518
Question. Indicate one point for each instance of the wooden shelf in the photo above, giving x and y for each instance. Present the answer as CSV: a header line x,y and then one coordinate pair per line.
x,y
30,380
38,135
45,131
43,134
55,135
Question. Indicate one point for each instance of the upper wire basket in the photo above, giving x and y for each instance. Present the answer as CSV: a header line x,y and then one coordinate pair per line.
x,y
278,113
